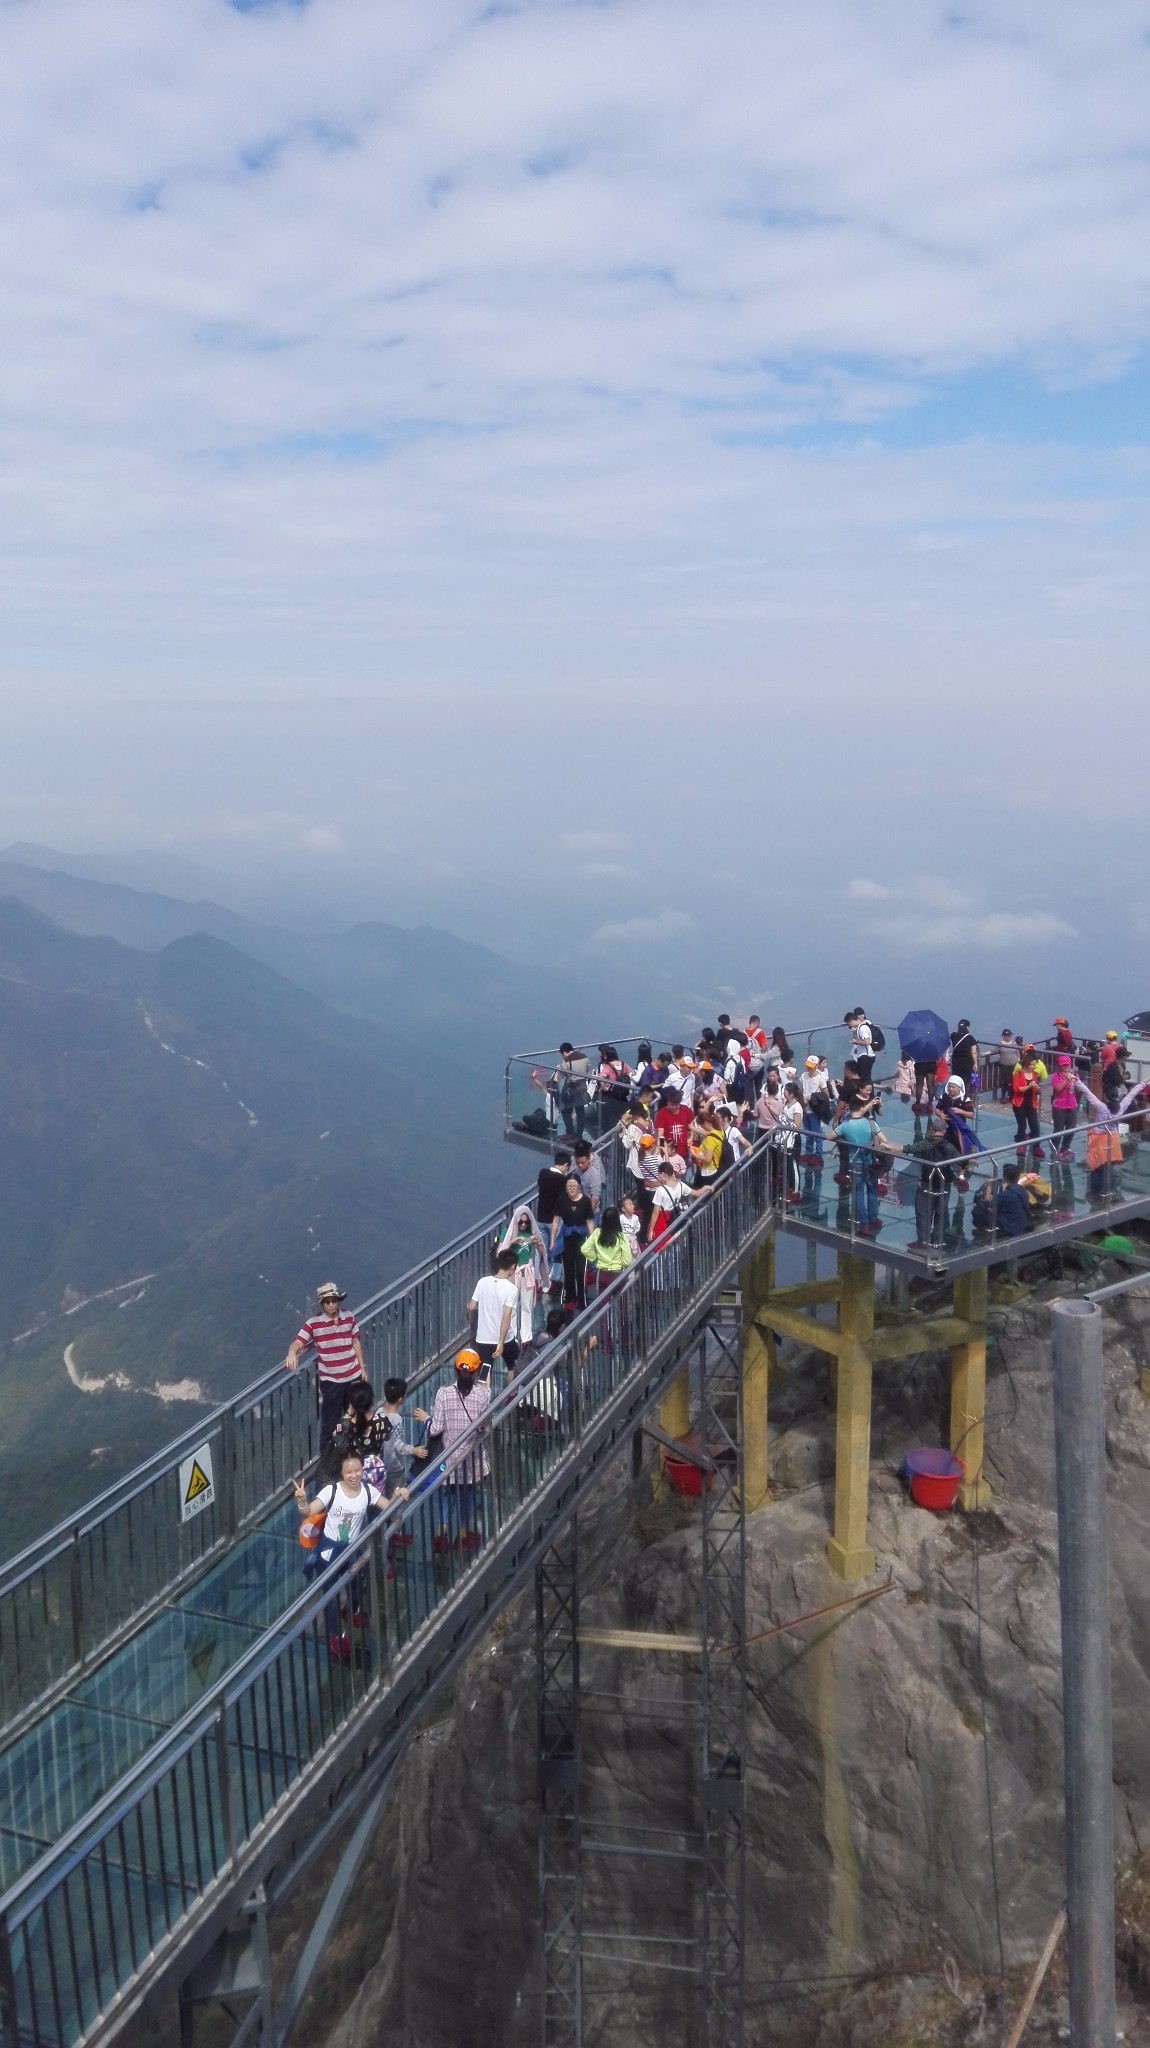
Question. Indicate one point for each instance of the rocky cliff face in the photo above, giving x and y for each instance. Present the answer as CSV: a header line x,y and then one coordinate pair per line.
x,y
885,1834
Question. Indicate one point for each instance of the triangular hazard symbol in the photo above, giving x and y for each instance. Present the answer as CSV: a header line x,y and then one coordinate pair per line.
x,y
198,1482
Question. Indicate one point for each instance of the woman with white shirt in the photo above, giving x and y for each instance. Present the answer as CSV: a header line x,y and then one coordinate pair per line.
x,y
347,1504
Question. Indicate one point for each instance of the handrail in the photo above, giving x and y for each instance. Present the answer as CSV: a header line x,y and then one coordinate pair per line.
x,y
81,1923
106,1566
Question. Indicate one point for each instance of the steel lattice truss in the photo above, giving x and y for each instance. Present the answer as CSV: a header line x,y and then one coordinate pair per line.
x,y
560,1862
713,1855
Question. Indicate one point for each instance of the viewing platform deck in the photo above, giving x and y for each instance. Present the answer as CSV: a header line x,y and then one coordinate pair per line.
x,y
915,1237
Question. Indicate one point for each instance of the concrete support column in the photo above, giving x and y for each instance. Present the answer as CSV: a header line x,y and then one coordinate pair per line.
x,y
756,1281
968,1387
675,1406
848,1552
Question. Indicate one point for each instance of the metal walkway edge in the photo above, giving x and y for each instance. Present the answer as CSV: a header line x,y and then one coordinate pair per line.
x,y
290,1739
86,1585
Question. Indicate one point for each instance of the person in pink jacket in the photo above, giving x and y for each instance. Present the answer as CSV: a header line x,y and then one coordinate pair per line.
x,y
1063,1104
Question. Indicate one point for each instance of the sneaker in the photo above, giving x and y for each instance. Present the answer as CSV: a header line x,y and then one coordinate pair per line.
x,y
793,1199
842,1180
340,1646
1040,1151
360,1621
441,1541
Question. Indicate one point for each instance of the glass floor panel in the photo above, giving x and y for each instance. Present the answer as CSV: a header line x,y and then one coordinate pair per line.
x,y
166,1667
56,1770
254,1583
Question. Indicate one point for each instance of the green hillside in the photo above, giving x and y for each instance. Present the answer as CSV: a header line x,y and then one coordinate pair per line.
x,y
192,1116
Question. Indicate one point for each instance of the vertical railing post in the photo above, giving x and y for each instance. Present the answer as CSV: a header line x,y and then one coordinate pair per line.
x,y
223,1773
227,1490
1084,1598
76,1597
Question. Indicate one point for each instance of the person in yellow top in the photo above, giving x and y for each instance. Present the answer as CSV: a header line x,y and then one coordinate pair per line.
x,y
1026,1081
706,1148
607,1248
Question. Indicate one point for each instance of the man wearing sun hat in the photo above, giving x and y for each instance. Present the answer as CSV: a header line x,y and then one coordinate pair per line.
x,y
333,1333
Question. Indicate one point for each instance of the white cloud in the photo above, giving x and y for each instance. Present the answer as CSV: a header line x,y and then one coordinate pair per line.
x,y
994,931
320,839
862,891
663,928
313,314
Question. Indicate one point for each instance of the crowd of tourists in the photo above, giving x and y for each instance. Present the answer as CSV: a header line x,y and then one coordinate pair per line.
x,y
683,1118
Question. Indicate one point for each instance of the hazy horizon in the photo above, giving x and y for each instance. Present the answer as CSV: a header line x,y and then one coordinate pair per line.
x,y
657,486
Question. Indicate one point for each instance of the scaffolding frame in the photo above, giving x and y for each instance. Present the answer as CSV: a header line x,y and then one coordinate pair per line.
x,y
712,1854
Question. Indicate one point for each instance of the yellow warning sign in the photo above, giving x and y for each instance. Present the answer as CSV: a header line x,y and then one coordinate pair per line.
x,y
197,1483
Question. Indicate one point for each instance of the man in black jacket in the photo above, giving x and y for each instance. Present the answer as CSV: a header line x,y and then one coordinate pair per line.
x,y
934,1153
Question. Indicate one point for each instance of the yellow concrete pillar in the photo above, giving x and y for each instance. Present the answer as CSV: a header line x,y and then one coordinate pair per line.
x,y
848,1552
675,1406
968,1387
756,1281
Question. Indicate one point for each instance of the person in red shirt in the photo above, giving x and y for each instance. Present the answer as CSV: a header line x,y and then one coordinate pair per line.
x,y
673,1122
334,1334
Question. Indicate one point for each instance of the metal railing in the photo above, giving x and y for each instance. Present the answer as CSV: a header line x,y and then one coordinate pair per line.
x,y
79,1588
116,1893
933,1210
541,1109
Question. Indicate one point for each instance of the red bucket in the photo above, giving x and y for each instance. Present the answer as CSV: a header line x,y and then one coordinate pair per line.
x,y
685,1477
935,1476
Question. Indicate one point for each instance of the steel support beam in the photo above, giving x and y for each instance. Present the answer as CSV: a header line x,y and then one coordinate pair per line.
x,y
1084,1597
724,1681
560,1863
968,1386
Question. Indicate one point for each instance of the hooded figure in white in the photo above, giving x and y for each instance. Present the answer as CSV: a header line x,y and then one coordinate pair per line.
x,y
532,1275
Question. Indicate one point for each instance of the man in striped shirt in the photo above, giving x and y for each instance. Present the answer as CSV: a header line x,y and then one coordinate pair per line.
x,y
339,1356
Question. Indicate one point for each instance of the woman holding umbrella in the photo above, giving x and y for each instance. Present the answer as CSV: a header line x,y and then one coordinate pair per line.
x,y
924,1037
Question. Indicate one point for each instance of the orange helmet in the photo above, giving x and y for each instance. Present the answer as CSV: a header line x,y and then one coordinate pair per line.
x,y
467,1360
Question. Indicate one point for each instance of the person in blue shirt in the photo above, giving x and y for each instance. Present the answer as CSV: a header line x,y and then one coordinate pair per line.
x,y
857,1133
1008,1209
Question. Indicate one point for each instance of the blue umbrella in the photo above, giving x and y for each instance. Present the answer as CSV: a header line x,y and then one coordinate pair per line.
x,y
924,1036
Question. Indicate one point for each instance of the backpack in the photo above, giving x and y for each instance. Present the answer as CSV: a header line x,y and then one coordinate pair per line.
x,y
877,1037
311,1529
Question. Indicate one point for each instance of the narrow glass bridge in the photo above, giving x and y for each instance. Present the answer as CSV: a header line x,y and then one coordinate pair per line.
x,y
177,1738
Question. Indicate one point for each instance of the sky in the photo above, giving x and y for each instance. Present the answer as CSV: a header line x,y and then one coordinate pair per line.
x,y
640,481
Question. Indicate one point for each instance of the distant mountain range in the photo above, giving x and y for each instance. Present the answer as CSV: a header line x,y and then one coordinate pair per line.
x,y
404,978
